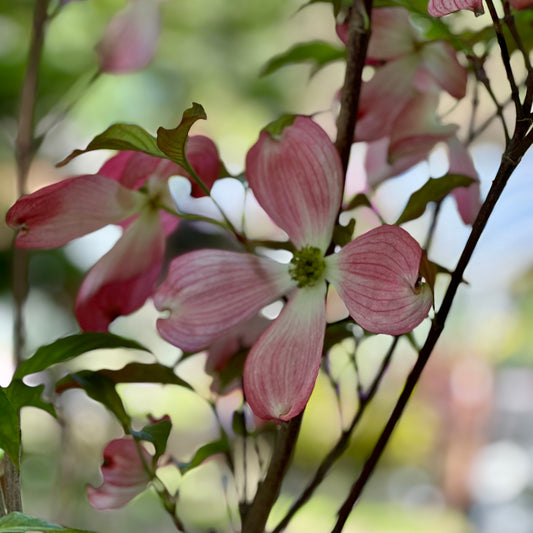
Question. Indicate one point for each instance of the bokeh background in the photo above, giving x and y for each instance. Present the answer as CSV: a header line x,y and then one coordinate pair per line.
x,y
462,458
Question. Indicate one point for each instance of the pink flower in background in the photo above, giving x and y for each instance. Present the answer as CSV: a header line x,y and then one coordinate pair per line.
x,y
468,199
122,280
130,39
124,473
397,113
407,66
297,178
439,8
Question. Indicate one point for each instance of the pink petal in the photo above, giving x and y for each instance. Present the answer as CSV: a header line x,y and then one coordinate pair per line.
x,y
384,97
236,339
392,35
439,8
125,277
378,167
468,198
376,276
124,475
58,213
203,156
417,129
297,179
440,60
207,292
130,39
281,369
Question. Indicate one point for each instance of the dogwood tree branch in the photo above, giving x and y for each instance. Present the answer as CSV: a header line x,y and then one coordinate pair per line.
x,y
24,151
514,152
342,443
356,47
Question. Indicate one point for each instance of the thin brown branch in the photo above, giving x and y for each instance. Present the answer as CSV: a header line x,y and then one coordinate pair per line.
x,y
516,149
268,491
24,151
358,37
506,57
342,443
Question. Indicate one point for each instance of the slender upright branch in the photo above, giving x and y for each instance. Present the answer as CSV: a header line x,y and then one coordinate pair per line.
x,y
255,519
510,159
342,443
356,47
506,57
24,151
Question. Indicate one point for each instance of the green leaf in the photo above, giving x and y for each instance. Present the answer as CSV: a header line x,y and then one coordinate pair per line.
x,y
318,53
359,200
102,389
9,428
276,127
207,450
20,522
157,434
132,373
433,190
22,395
70,347
120,137
342,235
173,142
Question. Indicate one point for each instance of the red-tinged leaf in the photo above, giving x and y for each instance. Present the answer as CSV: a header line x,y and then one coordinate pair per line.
x,y
433,190
173,142
69,347
120,137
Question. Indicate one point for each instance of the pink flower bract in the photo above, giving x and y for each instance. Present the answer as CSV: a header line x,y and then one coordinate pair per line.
x,y
124,475
296,176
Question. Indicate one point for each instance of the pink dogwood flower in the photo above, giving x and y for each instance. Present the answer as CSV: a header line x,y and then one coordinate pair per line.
x,y
124,473
122,280
439,8
297,177
130,39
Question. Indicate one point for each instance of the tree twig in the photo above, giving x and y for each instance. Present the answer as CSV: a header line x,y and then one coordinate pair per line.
x,y
516,149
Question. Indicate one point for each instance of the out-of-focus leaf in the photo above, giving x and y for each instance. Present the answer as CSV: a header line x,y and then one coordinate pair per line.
x,y
173,142
70,347
22,395
359,200
9,428
318,53
120,137
342,235
207,450
99,388
20,522
433,190
132,373
238,423
157,434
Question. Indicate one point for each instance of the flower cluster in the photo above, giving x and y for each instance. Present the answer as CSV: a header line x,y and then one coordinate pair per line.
x,y
130,189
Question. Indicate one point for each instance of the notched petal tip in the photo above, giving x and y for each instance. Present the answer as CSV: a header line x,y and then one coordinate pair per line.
x,y
378,277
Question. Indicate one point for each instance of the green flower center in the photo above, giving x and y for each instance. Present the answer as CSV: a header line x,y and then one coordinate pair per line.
x,y
307,266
